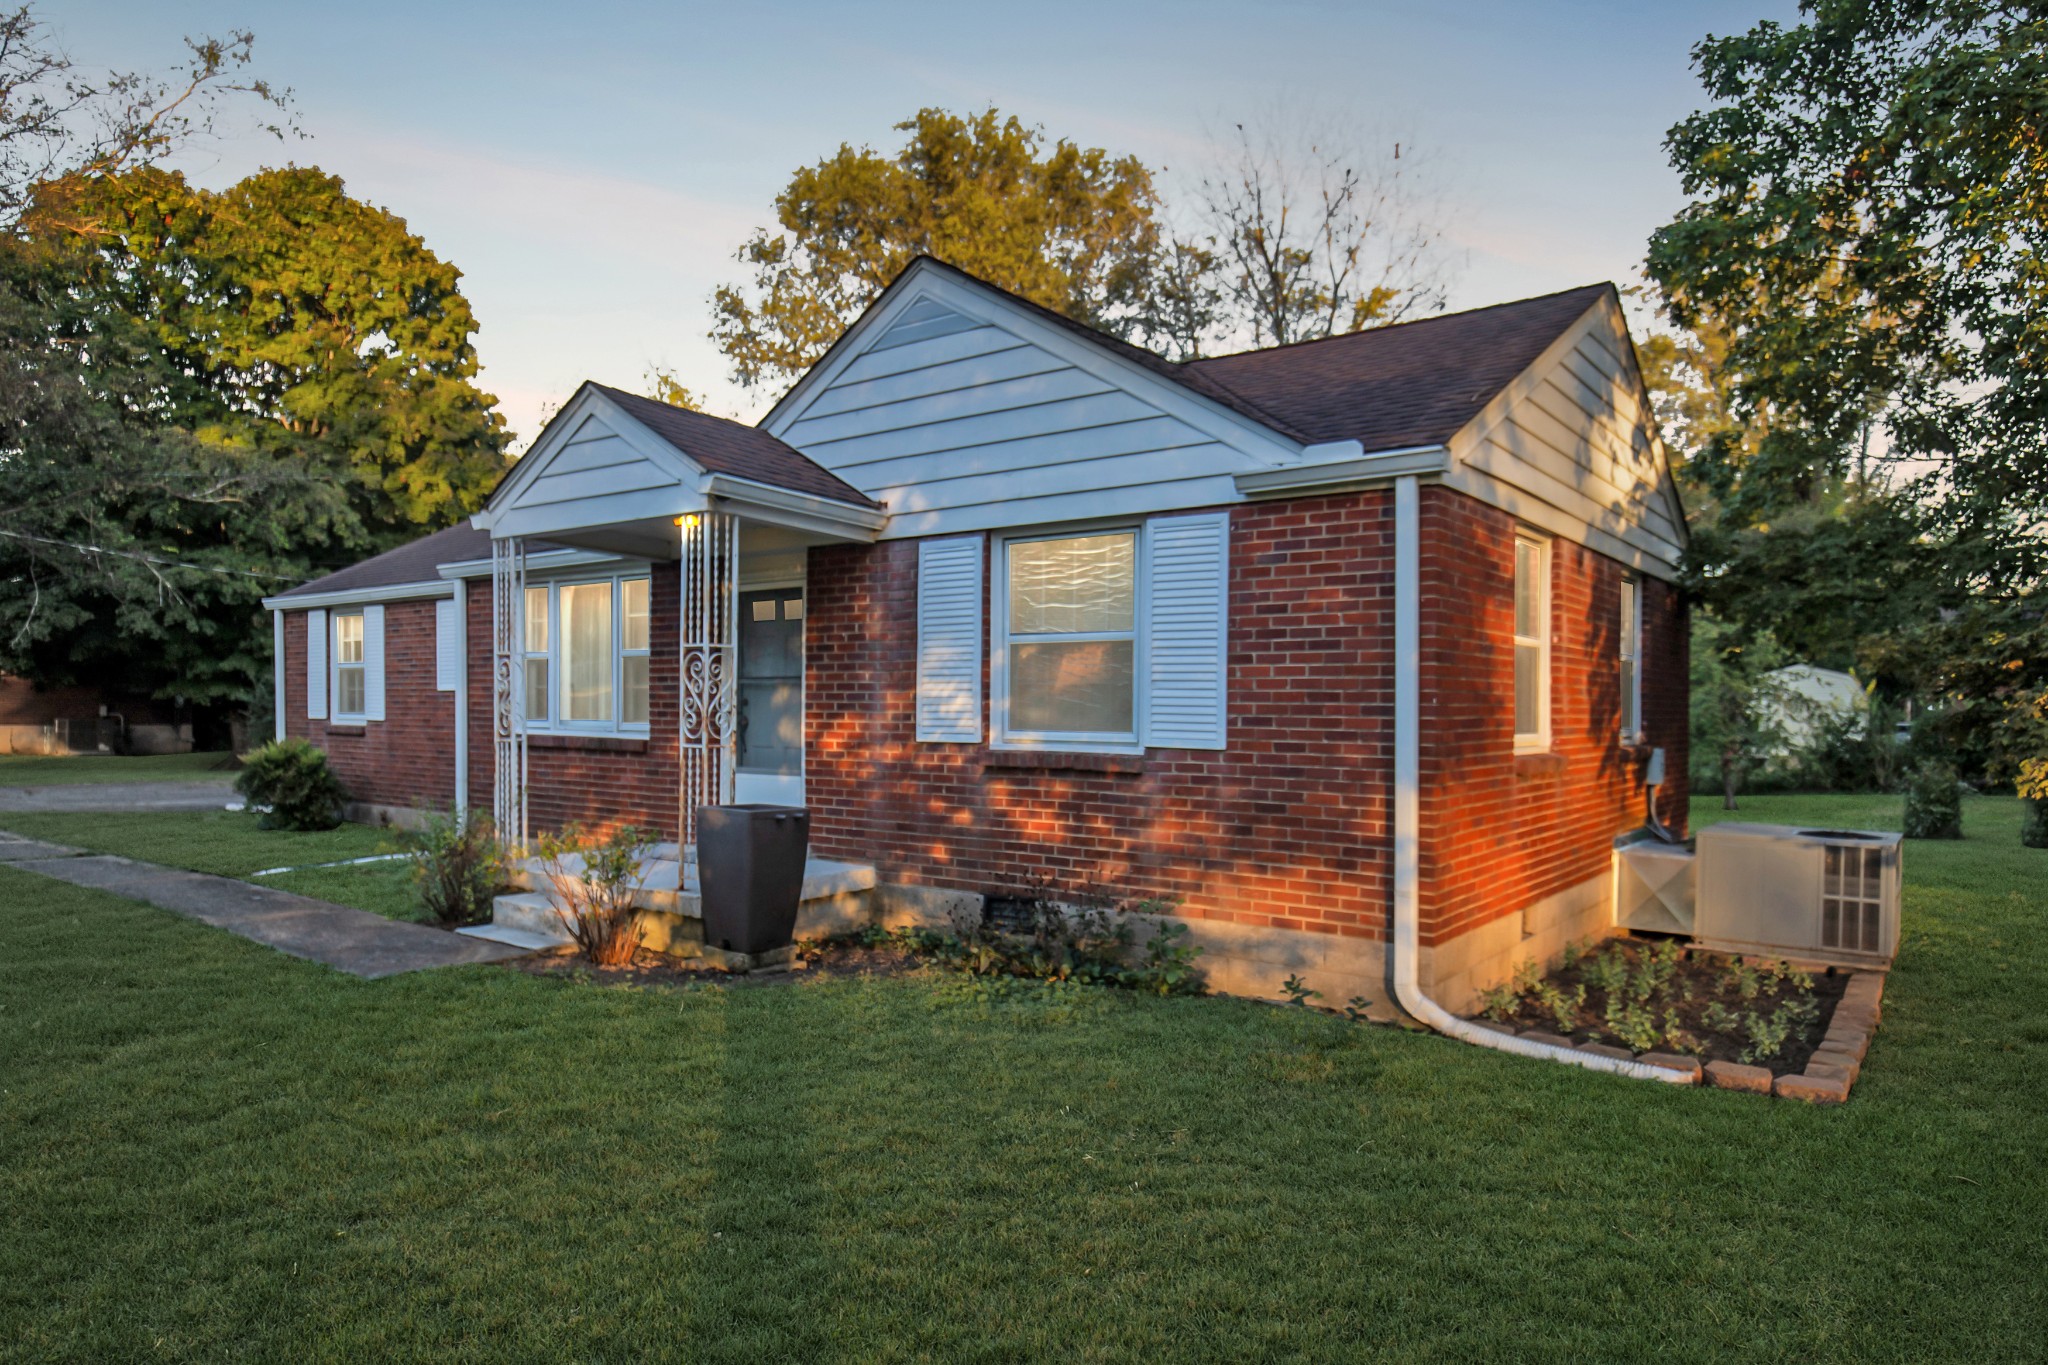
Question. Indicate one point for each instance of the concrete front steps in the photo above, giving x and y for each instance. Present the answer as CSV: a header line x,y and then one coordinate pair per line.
x,y
836,896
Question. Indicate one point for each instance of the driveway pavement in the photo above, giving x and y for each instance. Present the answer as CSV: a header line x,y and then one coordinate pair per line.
x,y
119,796
347,939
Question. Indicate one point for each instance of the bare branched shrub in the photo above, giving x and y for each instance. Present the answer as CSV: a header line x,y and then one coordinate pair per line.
x,y
593,885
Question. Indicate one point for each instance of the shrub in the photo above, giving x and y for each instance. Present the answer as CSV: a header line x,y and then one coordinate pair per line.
x,y
595,882
291,779
458,864
1934,802
1087,941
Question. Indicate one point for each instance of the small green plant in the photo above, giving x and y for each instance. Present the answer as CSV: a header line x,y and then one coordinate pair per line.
x,y
595,882
458,866
1499,1003
1934,802
1167,966
1297,991
1633,1024
1563,1007
1355,1008
289,780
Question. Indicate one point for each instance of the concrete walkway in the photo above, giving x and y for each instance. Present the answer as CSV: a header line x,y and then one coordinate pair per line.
x,y
206,795
347,939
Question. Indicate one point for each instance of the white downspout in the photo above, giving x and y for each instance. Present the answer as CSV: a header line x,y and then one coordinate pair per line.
x,y
1408,817
461,696
277,673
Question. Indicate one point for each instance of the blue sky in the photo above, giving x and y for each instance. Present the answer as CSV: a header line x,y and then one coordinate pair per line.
x,y
592,167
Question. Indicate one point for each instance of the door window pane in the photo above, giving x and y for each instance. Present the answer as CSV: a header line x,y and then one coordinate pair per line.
x,y
536,620
587,652
537,688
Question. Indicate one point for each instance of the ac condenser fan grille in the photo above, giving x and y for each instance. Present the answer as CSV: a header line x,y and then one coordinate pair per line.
x,y
1851,907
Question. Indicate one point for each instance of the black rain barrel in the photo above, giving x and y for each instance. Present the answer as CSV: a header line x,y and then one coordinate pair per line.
x,y
750,874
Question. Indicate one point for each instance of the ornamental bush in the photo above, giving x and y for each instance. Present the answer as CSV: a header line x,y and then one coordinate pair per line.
x,y
290,781
1934,801
458,865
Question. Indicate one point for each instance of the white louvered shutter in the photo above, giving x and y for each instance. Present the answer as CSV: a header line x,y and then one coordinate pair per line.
x,y
316,665
373,662
1187,612
447,661
949,630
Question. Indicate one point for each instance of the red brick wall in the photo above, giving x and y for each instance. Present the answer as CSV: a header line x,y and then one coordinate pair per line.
x,y
1288,827
1501,831
406,759
600,782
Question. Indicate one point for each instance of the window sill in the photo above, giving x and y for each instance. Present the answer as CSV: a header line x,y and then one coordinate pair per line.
x,y
1540,765
1046,760
348,727
604,744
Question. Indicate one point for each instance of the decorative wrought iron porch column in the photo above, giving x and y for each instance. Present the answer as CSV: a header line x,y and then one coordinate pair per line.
x,y
709,665
508,689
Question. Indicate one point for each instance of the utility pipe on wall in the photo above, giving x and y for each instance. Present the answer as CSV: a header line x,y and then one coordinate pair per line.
x,y
1407,943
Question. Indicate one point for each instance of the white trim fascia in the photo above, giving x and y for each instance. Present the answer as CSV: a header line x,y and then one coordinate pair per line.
x,y
1344,475
1226,425
349,597
800,511
540,561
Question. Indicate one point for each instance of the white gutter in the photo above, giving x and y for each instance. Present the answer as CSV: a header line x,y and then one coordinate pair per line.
x,y
1339,467
1407,945
349,597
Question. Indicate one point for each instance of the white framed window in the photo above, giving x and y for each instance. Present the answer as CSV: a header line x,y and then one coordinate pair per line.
x,y
586,653
538,647
1532,643
1067,639
351,681
1629,658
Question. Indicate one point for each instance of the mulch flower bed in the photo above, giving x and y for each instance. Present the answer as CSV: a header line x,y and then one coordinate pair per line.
x,y
662,970
1664,998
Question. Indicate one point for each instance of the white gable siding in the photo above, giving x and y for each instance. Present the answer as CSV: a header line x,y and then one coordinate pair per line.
x,y
958,424
590,474
1567,448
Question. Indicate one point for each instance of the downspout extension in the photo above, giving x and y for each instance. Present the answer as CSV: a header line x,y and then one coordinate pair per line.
x,y
1407,943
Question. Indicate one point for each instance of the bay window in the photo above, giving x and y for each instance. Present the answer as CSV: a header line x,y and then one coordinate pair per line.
x,y
587,647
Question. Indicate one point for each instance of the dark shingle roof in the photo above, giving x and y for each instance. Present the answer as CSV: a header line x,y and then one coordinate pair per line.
x,y
727,447
417,561
1410,384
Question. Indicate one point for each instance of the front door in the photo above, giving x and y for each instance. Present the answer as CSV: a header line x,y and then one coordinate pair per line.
x,y
771,703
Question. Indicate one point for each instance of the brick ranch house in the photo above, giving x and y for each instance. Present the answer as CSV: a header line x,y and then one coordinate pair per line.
x,y
1356,648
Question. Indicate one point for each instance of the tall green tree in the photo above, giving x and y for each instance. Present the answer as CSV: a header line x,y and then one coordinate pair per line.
x,y
1867,228
1067,227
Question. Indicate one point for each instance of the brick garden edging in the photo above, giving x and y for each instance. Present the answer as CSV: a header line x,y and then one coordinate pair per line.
x,y
1830,1072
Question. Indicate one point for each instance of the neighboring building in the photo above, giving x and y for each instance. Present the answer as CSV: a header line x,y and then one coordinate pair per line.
x,y
87,720
1306,639
1799,698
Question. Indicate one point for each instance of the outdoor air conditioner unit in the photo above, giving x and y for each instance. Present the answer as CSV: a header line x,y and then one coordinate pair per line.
x,y
1813,895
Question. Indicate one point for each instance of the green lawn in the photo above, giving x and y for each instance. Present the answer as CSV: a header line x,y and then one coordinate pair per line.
x,y
209,1149
38,770
229,844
